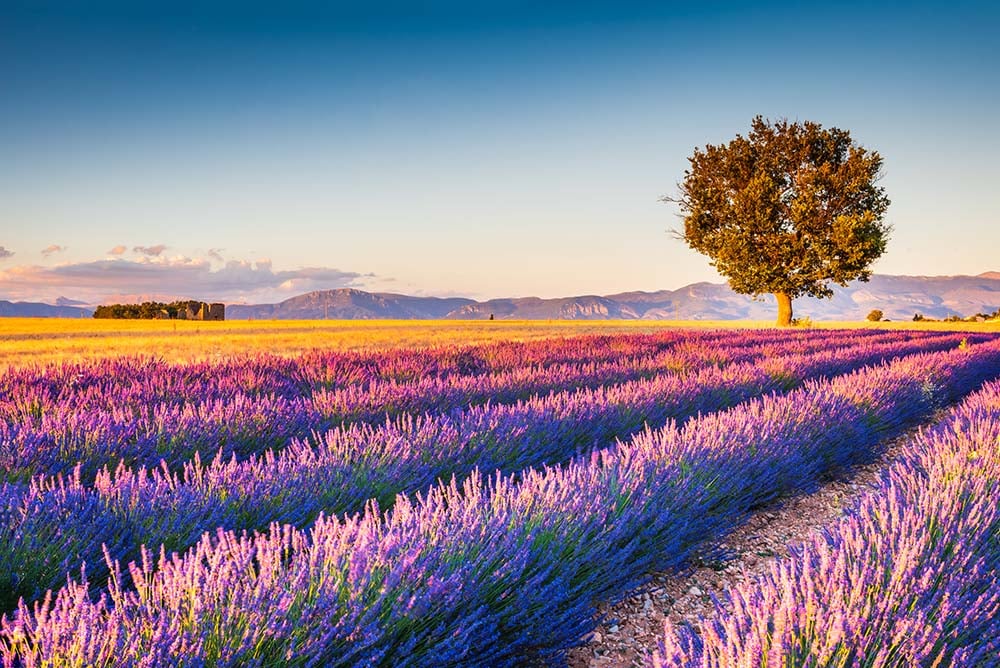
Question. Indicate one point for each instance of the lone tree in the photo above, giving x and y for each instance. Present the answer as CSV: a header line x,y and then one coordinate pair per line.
x,y
785,210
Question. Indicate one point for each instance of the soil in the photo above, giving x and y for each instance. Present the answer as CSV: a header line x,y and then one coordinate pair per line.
x,y
631,629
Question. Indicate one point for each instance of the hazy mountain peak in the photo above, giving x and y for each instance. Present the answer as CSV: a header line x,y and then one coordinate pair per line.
x,y
898,297
66,301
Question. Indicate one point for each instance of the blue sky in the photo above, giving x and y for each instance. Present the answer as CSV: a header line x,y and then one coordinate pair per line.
x,y
252,152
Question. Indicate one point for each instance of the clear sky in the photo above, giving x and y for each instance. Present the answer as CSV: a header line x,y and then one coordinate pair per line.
x,y
253,151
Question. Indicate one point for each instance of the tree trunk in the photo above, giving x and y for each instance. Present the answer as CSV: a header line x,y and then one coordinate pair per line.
x,y
784,309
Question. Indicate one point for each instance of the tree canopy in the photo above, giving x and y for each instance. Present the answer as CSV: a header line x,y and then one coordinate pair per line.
x,y
785,210
143,311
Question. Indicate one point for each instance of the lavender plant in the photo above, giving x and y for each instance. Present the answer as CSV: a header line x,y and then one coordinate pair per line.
x,y
908,578
57,437
497,571
345,468
51,425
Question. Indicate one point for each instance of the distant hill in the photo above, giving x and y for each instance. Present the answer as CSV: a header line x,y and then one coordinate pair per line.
x,y
349,304
898,297
38,310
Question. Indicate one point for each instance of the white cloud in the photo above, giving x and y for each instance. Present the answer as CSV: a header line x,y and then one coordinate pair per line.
x,y
54,248
4,253
151,251
164,278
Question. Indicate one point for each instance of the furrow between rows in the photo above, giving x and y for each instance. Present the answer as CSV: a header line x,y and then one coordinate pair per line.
x,y
908,578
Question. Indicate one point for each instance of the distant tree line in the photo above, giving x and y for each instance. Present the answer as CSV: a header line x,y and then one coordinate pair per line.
x,y
876,315
143,311
917,317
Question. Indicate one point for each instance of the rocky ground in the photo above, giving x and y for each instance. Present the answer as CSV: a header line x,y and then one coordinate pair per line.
x,y
632,628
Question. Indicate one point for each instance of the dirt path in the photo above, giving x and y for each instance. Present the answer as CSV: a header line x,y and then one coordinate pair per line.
x,y
634,626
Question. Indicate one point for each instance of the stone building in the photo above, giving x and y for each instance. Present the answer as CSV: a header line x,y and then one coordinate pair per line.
x,y
201,311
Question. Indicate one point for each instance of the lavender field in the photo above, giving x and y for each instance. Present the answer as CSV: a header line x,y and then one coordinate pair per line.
x,y
473,505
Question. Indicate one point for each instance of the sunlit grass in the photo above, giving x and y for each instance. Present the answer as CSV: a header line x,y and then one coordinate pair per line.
x,y
43,340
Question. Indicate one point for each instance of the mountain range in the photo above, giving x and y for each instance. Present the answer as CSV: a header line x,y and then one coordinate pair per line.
x,y
898,297
60,309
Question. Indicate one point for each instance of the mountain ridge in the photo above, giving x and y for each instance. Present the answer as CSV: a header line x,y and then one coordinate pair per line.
x,y
898,297
9,309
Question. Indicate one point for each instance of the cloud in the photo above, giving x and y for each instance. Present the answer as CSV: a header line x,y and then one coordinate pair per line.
x,y
4,253
118,250
54,248
166,279
216,254
151,251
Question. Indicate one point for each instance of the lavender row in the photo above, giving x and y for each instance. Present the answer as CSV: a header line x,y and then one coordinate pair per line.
x,y
30,392
91,385
341,470
907,579
504,571
249,422
111,384
143,434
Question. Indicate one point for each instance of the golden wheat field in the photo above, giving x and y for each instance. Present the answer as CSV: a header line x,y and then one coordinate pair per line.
x,y
25,341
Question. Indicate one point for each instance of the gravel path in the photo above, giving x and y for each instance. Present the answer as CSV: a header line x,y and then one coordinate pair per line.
x,y
633,627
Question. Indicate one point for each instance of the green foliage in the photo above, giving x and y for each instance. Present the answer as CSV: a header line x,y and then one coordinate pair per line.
x,y
875,315
977,317
786,209
143,311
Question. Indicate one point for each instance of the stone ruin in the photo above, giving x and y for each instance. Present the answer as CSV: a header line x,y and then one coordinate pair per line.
x,y
201,311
